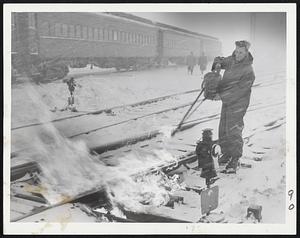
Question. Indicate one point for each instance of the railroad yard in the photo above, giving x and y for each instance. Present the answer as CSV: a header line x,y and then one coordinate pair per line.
x,y
114,160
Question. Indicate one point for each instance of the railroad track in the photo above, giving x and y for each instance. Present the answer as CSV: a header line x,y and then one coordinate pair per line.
x,y
25,203
103,120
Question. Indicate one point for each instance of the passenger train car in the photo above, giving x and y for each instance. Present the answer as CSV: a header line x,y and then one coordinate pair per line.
x,y
46,44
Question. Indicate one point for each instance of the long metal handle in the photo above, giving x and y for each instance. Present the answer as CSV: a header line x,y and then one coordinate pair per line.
x,y
188,111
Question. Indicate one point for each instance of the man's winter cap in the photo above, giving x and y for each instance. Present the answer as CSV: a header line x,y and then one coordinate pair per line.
x,y
207,131
243,43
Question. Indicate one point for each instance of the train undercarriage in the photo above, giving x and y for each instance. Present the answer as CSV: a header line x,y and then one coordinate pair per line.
x,y
45,70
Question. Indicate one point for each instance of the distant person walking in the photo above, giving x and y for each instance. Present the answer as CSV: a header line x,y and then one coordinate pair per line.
x,y
202,62
191,62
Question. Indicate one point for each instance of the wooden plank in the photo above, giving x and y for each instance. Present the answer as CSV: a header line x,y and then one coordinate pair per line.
x,y
31,197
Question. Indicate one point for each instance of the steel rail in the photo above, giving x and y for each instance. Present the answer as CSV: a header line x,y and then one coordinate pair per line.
x,y
148,101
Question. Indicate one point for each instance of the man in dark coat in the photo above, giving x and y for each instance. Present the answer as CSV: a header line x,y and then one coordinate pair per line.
x,y
234,90
202,62
191,62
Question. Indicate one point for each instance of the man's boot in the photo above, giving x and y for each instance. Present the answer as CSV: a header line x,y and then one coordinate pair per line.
x,y
233,165
224,159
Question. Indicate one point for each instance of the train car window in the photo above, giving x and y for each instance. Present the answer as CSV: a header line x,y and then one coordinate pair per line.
x,y
64,30
57,29
101,37
71,31
151,40
51,29
130,37
90,30
105,34
115,35
143,40
96,34
123,38
78,31
31,19
139,39
84,32
110,35
45,28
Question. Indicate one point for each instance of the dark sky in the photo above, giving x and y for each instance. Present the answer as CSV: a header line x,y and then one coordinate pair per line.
x,y
270,28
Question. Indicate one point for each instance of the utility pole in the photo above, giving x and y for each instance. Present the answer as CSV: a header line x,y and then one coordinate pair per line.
x,y
23,43
252,28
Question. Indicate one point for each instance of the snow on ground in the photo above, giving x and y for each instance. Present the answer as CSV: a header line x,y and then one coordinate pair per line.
x,y
102,91
263,184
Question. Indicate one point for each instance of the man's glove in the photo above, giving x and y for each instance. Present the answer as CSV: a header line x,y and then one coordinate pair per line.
x,y
217,97
217,63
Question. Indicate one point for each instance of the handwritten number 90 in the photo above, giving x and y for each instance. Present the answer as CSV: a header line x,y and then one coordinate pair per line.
x,y
290,193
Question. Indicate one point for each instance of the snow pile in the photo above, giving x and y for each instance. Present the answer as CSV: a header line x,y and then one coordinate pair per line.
x,y
88,69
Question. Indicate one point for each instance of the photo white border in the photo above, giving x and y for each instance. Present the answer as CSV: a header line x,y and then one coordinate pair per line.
x,y
156,228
